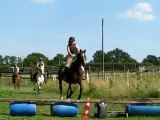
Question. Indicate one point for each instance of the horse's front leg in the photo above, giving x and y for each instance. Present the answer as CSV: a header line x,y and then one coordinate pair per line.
x,y
81,89
14,82
39,87
60,88
34,84
18,84
69,91
14,85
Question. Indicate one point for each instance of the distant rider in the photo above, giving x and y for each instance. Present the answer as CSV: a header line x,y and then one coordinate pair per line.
x,y
73,49
39,67
16,73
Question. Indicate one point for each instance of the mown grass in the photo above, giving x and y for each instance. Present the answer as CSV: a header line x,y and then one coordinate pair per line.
x,y
116,85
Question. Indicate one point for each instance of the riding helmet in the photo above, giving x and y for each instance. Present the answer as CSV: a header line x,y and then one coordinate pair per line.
x,y
40,58
71,40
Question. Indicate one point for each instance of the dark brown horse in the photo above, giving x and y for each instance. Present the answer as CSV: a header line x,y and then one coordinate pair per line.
x,y
72,75
16,80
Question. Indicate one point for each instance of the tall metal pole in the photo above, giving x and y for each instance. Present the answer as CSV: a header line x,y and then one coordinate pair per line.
x,y
22,60
102,51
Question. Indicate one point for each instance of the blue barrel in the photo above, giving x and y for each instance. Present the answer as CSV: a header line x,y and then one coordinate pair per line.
x,y
64,109
22,108
143,110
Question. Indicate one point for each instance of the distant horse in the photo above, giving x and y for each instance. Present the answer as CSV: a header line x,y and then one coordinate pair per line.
x,y
38,81
16,80
72,75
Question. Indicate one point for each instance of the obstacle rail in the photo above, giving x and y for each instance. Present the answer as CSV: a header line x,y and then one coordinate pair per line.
x,y
107,101
137,107
45,101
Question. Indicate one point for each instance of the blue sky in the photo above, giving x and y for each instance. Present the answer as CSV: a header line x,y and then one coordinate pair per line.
x,y
44,26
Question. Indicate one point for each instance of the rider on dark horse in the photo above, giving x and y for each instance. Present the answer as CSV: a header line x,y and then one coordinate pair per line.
x,y
72,49
16,73
72,73
39,68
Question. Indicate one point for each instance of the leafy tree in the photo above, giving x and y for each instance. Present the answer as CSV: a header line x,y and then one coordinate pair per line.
x,y
20,61
159,61
115,59
6,59
50,62
1,60
31,59
151,59
57,60
114,56
97,57
13,60
119,56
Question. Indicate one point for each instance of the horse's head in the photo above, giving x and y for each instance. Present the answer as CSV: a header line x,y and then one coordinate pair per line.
x,y
40,71
81,56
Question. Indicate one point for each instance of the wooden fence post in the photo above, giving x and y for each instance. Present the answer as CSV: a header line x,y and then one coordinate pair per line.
x,y
89,72
128,78
47,73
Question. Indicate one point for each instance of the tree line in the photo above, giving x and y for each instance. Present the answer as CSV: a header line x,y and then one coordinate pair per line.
x,y
115,59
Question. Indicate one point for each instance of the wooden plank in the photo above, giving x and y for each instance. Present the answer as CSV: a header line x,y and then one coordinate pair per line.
x,y
107,101
45,101
133,101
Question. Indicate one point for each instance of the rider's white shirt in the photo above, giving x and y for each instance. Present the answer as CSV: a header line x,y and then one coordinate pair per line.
x,y
16,69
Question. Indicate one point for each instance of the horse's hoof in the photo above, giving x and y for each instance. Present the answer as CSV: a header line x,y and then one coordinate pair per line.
x,y
78,101
61,98
68,100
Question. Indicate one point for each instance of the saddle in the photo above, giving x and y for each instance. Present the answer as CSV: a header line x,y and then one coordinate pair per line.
x,y
36,73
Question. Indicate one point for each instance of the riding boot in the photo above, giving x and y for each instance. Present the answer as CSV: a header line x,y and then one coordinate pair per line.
x,y
84,76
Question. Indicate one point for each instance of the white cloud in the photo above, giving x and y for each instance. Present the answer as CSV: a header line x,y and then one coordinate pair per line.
x,y
43,1
141,11
144,7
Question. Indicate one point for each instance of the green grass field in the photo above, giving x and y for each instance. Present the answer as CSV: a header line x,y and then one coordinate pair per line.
x,y
114,86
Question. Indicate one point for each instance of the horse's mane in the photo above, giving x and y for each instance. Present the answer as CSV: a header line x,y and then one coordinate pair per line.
x,y
75,72
75,66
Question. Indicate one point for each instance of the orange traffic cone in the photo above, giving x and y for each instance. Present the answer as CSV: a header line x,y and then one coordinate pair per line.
x,y
86,113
